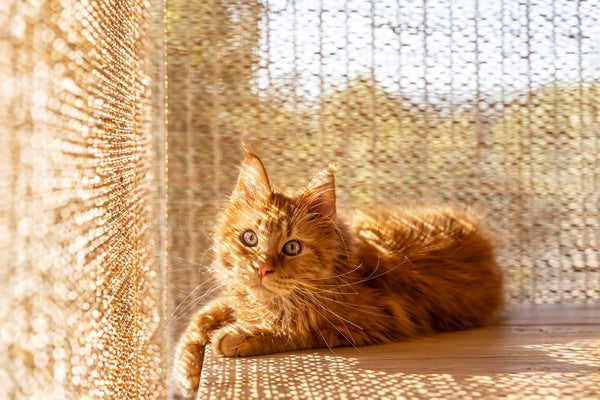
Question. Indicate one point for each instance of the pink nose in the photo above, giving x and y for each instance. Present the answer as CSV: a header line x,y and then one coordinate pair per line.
x,y
262,269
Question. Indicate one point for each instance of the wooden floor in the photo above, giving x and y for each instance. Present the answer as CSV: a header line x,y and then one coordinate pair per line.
x,y
534,352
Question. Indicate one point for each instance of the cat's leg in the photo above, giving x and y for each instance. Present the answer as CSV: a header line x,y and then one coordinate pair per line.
x,y
189,354
237,340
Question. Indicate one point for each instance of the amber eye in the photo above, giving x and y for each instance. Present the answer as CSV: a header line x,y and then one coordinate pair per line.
x,y
292,248
249,238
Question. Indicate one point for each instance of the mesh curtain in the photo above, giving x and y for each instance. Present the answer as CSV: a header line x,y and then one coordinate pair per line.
x,y
81,286
493,104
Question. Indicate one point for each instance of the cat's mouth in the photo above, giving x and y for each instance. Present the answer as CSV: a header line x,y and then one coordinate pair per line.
x,y
260,291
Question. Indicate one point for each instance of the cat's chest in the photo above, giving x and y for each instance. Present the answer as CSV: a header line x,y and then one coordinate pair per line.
x,y
282,315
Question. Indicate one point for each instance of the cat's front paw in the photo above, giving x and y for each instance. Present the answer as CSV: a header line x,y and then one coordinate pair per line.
x,y
188,365
233,341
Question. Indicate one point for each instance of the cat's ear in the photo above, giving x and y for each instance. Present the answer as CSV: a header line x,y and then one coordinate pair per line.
x,y
253,181
319,195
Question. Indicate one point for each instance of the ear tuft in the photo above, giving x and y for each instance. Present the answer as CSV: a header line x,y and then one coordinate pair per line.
x,y
319,195
253,181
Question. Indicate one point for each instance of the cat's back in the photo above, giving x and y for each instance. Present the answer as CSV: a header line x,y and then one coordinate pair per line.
x,y
432,238
440,259
392,229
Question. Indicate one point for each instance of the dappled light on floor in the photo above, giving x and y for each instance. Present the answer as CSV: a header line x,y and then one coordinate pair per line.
x,y
508,361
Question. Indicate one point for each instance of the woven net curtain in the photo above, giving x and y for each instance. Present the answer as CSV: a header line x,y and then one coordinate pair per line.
x,y
117,114
81,294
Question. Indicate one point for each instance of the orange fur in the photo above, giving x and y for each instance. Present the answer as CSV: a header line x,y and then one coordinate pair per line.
x,y
372,276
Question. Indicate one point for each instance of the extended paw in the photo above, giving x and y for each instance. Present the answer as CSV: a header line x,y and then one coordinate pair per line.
x,y
188,365
229,341
233,341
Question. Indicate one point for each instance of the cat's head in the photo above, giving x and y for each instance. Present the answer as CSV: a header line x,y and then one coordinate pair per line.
x,y
271,244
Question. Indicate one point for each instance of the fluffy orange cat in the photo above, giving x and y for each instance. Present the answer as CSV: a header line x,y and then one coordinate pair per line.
x,y
297,275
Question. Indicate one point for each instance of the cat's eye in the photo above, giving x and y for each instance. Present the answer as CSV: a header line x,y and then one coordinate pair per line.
x,y
292,248
249,238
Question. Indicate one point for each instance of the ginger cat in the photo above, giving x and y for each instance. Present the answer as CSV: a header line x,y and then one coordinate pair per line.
x,y
296,275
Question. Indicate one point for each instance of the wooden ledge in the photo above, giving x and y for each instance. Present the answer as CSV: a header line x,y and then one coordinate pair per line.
x,y
545,351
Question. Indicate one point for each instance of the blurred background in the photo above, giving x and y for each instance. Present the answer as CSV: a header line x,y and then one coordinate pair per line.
x,y
489,104
121,126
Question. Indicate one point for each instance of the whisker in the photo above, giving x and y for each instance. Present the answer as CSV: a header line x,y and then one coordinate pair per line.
x,y
303,302
315,301
187,304
354,306
312,304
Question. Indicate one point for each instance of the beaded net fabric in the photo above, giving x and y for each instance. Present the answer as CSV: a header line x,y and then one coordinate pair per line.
x,y
493,104
81,287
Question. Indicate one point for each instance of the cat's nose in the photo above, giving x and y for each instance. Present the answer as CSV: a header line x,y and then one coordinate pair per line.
x,y
262,269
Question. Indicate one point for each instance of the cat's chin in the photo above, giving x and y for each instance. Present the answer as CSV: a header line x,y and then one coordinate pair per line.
x,y
261,293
